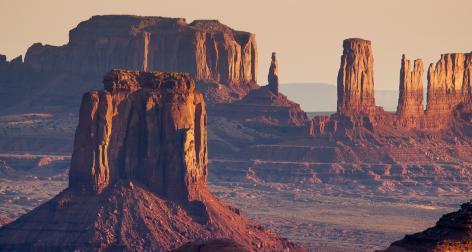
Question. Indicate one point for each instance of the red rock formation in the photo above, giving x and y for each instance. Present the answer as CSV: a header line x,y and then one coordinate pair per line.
x,y
273,76
356,78
138,113
410,108
449,83
453,232
264,106
223,61
207,49
138,176
410,99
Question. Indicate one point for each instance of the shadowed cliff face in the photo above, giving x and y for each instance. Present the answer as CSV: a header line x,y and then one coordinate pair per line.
x,y
410,100
144,126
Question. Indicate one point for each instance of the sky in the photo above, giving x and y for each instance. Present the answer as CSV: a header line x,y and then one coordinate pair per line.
x,y
306,34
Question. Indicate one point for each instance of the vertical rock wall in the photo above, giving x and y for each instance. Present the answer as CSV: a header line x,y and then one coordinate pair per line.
x,y
208,50
356,78
449,83
410,99
142,127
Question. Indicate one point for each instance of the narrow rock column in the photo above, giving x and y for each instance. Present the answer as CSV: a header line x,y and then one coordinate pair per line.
x,y
410,99
273,77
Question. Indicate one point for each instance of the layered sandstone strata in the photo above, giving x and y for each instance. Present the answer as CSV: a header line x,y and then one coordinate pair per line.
x,y
449,83
356,77
410,99
126,127
223,61
453,232
448,97
208,50
138,177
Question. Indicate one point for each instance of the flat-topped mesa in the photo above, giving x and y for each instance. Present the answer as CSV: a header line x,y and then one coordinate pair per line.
x,y
449,83
410,99
208,50
273,76
148,127
356,78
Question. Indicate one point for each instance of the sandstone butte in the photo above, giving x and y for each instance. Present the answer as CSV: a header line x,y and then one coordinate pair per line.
x,y
138,177
453,232
366,130
223,61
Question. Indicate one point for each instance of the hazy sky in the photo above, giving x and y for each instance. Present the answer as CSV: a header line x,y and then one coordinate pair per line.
x,y
306,34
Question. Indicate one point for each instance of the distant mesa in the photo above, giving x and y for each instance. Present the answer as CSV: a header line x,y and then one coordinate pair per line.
x,y
223,61
138,177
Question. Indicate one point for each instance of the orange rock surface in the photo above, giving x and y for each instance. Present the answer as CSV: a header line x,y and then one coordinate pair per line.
x,y
138,176
356,77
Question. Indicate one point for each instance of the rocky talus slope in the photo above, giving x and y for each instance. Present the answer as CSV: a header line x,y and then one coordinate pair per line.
x,y
453,232
138,177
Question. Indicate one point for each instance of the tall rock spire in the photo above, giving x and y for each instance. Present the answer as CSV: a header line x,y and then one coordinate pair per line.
x,y
356,77
273,77
410,99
